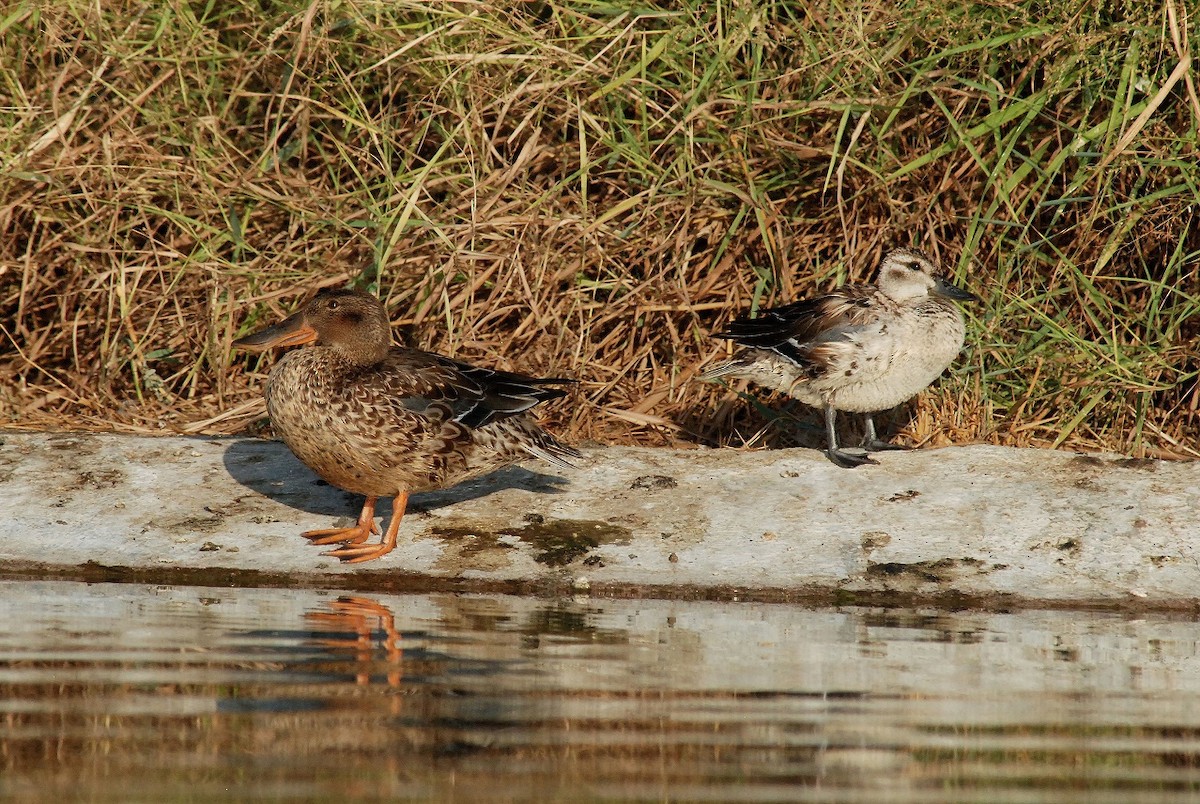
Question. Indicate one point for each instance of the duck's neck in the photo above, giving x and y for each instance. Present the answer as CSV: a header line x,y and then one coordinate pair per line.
x,y
360,354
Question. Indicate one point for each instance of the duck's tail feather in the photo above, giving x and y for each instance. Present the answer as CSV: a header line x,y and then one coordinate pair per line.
x,y
552,451
723,369
521,434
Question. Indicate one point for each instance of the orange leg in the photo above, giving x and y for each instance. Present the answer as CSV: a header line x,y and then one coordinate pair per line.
x,y
354,553
359,533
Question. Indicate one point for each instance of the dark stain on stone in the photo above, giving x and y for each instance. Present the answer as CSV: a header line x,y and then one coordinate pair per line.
x,y
562,541
653,482
97,479
1142,464
196,524
874,539
1072,546
1158,561
558,542
901,496
471,542
68,442
944,569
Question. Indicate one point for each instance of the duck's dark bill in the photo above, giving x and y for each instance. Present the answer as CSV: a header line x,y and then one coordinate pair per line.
x,y
292,331
944,288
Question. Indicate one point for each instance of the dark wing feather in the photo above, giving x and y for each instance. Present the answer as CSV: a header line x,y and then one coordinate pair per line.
x,y
792,328
501,393
476,396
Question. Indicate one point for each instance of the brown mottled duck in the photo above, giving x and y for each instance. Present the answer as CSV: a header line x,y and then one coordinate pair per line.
x,y
386,421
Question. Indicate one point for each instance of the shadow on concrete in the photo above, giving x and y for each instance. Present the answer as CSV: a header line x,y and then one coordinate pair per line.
x,y
269,468
776,422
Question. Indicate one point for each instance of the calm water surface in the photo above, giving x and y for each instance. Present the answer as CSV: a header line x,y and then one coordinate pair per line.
x,y
137,693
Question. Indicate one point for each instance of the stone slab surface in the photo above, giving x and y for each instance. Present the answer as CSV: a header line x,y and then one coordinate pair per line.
x,y
972,524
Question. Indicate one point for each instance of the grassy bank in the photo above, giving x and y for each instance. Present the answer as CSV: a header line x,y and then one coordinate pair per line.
x,y
589,189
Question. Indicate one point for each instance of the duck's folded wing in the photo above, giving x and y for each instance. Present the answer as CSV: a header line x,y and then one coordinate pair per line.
x,y
476,396
791,330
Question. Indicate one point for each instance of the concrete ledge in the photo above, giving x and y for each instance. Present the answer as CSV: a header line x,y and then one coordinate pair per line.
x,y
973,525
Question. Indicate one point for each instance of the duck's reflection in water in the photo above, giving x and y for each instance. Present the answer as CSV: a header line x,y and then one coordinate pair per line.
x,y
362,631
287,694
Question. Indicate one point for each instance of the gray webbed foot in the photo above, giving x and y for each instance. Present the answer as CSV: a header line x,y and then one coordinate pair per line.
x,y
871,442
877,445
848,460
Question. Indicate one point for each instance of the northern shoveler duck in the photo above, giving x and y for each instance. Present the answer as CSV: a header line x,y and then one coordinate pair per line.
x,y
861,348
385,421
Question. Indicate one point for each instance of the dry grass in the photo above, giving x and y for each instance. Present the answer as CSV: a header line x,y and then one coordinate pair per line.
x,y
578,188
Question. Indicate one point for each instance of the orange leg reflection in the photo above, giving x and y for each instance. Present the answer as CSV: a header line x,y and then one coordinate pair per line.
x,y
366,618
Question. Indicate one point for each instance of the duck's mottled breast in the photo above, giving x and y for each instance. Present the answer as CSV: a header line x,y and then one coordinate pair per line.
x,y
355,430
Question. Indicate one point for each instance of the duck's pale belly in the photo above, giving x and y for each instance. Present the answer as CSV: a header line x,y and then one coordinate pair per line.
x,y
876,371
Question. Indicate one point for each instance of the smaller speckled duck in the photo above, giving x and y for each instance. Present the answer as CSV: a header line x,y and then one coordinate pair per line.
x,y
861,348
386,421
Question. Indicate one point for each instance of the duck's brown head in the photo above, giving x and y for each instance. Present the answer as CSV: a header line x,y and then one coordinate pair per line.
x,y
351,323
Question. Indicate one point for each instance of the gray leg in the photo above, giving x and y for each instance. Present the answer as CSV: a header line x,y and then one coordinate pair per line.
x,y
870,442
843,459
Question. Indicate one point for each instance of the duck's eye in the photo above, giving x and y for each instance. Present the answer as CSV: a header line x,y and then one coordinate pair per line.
x,y
332,304
916,266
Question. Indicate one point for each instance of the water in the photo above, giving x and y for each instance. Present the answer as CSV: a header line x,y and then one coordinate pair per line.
x,y
117,692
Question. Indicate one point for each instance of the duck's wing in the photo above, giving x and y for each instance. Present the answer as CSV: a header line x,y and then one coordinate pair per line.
x,y
794,330
476,396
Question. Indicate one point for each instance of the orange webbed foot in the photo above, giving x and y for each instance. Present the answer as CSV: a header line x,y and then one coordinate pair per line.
x,y
359,553
356,553
355,534
352,535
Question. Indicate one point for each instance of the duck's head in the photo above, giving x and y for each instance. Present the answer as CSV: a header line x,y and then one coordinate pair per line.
x,y
907,273
351,323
